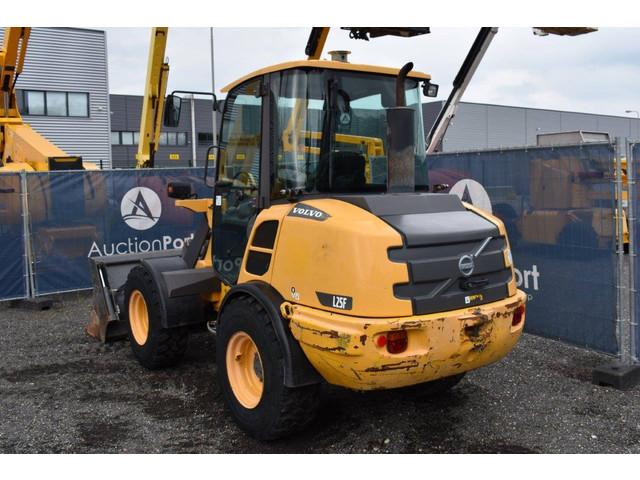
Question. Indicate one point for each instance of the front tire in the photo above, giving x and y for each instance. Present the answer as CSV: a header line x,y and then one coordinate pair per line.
x,y
153,345
251,374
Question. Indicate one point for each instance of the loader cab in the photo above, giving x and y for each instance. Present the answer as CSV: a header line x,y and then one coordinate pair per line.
x,y
305,129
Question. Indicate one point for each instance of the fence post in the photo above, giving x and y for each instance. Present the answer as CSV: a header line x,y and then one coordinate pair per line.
x,y
623,373
631,219
26,232
623,324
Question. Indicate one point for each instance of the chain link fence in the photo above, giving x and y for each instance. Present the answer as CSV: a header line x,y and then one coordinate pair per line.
x,y
558,205
558,208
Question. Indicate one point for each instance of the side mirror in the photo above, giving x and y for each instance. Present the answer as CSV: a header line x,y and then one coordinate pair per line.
x,y
210,156
172,108
430,89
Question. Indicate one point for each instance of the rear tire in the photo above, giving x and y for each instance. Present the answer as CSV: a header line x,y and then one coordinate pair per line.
x,y
153,345
267,410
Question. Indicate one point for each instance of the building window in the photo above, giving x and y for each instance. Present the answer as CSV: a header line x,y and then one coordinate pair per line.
x,y
34,103
78,104
58,104
205,139
127,138
133,138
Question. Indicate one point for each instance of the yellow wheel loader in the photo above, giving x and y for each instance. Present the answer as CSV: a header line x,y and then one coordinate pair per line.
x,y
318,259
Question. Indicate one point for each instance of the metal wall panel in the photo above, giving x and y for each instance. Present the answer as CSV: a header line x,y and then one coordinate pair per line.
x,y
615,127
468,128
71,60
540,121
571,121
505,127
478,126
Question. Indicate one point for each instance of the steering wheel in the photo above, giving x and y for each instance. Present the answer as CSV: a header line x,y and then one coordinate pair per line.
x,y
249,180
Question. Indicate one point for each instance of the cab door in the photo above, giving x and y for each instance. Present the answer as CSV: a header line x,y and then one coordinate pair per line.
x,y
236,195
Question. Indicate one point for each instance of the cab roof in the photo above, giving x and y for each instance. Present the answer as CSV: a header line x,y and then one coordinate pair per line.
x,y
326,64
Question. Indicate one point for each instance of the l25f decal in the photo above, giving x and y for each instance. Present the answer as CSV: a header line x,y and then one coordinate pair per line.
x,y
340,302
305,211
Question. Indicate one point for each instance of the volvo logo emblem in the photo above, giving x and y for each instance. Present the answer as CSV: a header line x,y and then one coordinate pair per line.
x,y
466,265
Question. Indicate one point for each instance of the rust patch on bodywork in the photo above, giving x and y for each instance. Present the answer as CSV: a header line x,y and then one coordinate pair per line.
x,y
404,365
412,324
322,333
478,331
329,349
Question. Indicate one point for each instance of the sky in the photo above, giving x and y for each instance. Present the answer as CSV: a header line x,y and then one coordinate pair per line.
x,y
596,73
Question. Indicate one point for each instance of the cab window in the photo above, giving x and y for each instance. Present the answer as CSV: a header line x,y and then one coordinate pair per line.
x,y
238,178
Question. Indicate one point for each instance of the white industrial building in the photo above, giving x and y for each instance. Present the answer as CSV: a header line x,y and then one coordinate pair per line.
x,y
479,126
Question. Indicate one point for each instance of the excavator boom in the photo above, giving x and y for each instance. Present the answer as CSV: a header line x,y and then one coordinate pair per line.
x,y
154,99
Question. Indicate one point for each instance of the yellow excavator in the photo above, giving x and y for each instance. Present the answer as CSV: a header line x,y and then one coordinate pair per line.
x,y
309,269
22,149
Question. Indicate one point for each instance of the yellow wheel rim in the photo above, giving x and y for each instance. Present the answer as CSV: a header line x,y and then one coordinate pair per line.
x,y
138,317
244,369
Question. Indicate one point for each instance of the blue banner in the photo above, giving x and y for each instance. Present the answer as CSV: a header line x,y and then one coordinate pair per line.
x,y
77,215
13,275
557,205
635,155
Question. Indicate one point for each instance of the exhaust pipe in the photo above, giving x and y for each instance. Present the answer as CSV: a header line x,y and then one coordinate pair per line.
x,y
401,140
402,76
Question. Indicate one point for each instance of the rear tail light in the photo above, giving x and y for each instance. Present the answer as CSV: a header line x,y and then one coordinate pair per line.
x,y
397,341
518,315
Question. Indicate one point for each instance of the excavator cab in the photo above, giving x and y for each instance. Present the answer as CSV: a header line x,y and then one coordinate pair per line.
x,y
301,132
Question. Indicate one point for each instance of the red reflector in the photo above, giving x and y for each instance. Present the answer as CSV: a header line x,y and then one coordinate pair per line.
x,y
381,341
518,315
397,341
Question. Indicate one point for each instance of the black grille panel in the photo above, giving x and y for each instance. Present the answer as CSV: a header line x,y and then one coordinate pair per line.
x,y
436,284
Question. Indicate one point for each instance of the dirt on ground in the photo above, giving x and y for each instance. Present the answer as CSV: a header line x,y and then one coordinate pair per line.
x,y
62,391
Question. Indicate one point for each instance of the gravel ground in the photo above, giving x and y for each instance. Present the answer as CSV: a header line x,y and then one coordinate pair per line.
x,y
62,391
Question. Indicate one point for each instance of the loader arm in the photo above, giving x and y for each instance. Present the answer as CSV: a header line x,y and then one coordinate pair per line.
x,y
154,99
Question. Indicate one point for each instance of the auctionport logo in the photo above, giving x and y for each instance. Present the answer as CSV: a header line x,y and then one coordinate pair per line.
x,y
141,208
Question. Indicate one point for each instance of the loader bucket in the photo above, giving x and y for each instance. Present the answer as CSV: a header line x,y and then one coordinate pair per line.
x,y
109,275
